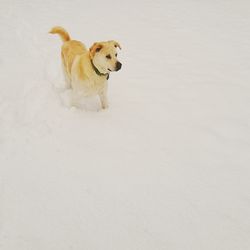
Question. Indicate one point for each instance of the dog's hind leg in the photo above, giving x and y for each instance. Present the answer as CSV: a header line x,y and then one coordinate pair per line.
x,y
65,73
67,79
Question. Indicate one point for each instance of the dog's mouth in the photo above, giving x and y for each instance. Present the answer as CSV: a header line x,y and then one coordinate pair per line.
x,y
109,70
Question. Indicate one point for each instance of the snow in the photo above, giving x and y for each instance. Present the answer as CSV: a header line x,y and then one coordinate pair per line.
x,y
167,166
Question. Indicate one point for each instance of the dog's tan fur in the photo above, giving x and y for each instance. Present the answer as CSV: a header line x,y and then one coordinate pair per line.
x,y
86,71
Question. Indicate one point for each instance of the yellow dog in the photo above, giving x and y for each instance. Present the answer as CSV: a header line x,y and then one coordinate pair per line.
x,y
87,71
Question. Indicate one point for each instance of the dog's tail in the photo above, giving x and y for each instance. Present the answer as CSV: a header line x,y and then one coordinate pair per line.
x,y
61,32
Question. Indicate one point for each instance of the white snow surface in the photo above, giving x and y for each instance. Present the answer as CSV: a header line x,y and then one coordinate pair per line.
x,y
166,167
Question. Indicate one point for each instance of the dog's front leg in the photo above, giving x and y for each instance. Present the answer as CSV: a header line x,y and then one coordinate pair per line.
x,y
104,99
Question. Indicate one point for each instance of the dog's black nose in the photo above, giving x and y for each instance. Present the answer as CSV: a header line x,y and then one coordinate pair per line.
x,y
118,66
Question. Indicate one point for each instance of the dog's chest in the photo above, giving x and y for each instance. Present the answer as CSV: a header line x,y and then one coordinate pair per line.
x,y
91,86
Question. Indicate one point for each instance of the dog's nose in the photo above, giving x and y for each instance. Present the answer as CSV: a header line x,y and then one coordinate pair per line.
x,y
118,66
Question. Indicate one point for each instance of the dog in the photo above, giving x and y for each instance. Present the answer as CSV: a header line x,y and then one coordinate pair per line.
x,y
87,71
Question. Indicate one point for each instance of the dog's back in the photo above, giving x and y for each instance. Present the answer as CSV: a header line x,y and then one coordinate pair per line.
x,y
70,48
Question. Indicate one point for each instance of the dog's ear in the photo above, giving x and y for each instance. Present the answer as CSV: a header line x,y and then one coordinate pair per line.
x,y
95,48
116,44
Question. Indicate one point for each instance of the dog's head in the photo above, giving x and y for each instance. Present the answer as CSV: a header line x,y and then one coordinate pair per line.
x,y
104,56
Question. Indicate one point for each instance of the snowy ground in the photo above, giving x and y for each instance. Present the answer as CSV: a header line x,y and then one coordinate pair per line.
x,y
167,167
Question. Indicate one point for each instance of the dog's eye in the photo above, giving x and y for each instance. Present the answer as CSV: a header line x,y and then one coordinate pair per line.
x,y
108,56
116,55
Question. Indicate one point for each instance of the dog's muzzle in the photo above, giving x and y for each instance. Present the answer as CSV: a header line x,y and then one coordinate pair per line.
x,y
118,66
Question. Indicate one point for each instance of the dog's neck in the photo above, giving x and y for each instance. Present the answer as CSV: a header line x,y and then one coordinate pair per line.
x,y
98,72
